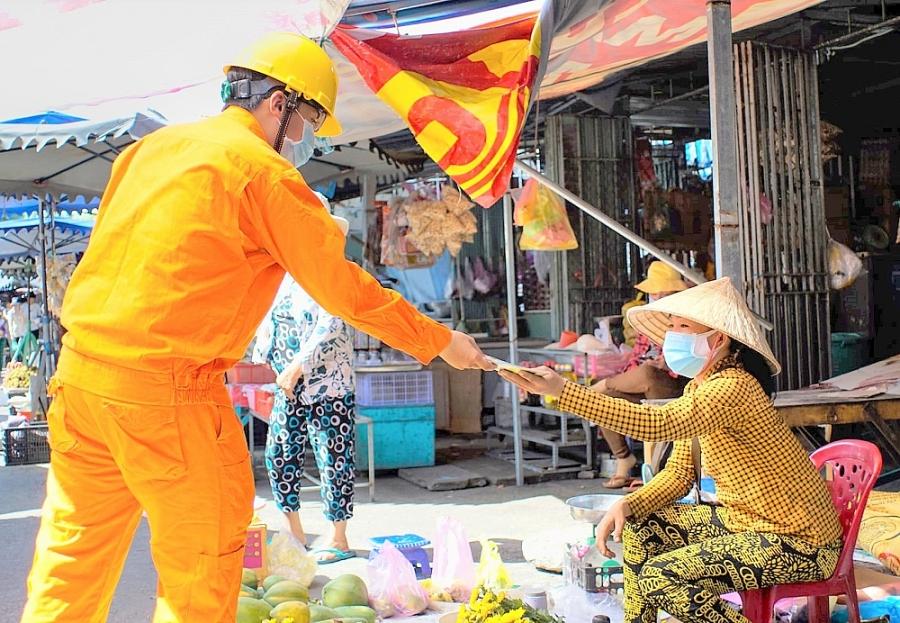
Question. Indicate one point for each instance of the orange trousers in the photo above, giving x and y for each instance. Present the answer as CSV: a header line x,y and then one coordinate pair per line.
x,y
125,443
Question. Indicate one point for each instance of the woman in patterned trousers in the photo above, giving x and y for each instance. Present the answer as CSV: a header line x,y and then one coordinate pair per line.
x,y
773,522
311,352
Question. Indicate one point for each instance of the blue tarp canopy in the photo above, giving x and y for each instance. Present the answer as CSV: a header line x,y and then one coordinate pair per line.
x,y
70,234
47,155
15,208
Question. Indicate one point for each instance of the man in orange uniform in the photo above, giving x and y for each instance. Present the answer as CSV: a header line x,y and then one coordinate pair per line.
x,y
198,224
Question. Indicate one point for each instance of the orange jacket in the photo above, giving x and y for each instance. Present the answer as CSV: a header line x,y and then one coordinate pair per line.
x,y
195,230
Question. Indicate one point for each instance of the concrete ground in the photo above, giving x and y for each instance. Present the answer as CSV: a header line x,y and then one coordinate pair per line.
x,y
531,520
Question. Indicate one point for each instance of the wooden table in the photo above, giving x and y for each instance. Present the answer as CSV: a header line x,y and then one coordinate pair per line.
x,y
805,409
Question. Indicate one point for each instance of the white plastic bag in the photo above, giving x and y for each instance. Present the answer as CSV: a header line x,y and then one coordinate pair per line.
x,y
393,587
575,605
454,568
843,265
287,557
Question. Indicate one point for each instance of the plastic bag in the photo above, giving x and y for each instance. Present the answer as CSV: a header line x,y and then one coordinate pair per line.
x,y
453,571
542,215
287,557
393,588
843,265
492,573
575,605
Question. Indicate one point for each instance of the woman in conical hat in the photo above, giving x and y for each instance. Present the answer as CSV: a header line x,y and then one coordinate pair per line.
x,y
774,522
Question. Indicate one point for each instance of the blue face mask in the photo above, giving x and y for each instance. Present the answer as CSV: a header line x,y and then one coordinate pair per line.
x,y
301,151
687,353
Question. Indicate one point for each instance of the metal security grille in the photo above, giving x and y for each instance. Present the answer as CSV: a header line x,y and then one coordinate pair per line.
x,y
593,158
782,215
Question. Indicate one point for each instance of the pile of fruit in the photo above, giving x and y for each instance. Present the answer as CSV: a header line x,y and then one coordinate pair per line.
x,y
17,375
344,599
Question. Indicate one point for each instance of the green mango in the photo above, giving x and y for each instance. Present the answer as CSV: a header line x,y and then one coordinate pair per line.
x,y
345,590
286,590
297,610
366,614
271,581
251,610
246,591
319,613
248,578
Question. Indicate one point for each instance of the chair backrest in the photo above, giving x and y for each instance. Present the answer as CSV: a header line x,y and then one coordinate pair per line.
x,y
855,466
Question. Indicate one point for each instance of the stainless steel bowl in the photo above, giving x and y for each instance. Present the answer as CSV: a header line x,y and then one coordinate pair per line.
x,y
591,508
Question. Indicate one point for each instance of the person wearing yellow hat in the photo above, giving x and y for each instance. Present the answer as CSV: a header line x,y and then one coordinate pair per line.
x,y
645,375
198,225
775,522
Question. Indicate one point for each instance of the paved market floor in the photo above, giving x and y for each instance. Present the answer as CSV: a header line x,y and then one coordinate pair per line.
x,y
533,518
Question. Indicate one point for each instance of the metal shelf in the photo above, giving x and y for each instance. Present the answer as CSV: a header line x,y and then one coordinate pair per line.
x,y
550,439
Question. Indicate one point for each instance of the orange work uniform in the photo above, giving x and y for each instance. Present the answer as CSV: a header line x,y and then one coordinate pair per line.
x,y
196,228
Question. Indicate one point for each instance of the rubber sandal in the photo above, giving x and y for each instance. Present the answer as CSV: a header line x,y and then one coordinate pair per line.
x,y
617,482
338,555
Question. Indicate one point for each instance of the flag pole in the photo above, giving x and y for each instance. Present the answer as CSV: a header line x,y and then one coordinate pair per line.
x,y
512,328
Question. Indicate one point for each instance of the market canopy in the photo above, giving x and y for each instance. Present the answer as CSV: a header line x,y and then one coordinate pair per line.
x,y
19,237
70,158
464,94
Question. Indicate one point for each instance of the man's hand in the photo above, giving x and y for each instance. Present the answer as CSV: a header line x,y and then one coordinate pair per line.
x,y
599,386
288,378
611,524
543,381
463,353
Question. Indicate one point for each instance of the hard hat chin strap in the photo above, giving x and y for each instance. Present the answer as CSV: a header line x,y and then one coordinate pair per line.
x,y
290,106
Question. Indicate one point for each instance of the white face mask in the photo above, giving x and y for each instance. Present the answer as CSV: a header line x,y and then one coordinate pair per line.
x,y
299,152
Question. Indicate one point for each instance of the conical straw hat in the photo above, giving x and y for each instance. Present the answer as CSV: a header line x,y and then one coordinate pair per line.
x,y
715,304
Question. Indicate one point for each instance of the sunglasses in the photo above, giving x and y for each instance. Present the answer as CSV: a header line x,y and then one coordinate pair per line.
x,y
313,113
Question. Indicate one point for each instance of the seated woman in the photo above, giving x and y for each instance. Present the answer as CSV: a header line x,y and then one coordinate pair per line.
x,y
776,522
645,375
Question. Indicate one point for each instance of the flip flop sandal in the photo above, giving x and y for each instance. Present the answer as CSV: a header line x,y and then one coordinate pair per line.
x,y
337,555
617,482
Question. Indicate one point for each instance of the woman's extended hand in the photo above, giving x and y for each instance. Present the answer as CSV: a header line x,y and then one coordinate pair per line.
x,y
612,523
288,378
541,380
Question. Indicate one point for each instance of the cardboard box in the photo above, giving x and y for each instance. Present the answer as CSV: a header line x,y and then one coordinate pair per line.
x,y
441,380
839,228
837,202
464,398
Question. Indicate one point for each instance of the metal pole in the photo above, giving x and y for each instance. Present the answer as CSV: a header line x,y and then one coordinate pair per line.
x,y
723,118
512,327
45,316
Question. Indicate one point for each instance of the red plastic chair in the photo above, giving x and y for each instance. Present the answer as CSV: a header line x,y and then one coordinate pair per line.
x,y
855,467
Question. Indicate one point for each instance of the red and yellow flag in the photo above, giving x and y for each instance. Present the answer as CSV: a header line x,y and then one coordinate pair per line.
x,y
464,95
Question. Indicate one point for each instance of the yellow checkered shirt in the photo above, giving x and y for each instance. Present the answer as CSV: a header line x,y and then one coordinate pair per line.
x,y
763,475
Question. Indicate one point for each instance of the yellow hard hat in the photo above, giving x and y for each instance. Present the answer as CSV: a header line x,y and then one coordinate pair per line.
x,y
300,64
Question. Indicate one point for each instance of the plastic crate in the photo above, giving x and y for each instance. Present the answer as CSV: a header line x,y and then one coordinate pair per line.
x,y
394,389
257,373
25,446
849,352
403,436
605,578
237,395
263,401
